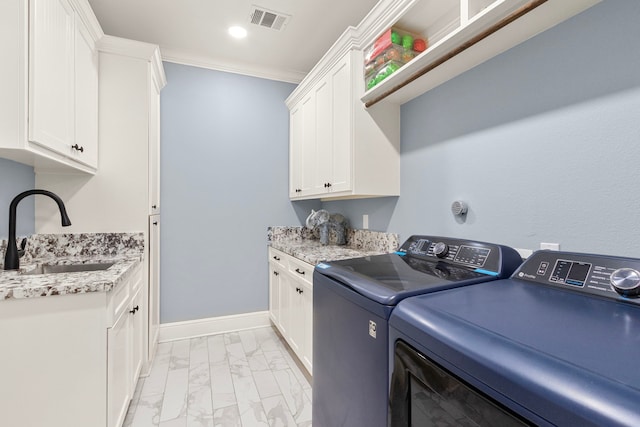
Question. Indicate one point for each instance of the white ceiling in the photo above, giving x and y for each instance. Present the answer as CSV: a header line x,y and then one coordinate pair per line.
x,y
195,31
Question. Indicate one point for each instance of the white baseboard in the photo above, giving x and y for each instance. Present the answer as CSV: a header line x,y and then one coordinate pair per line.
x,y
213,325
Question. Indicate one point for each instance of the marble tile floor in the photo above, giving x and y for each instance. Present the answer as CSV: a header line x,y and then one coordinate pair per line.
x,y
237,379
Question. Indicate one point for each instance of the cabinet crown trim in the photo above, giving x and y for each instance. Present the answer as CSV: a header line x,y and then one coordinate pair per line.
x,y
88,18
135,49
349,40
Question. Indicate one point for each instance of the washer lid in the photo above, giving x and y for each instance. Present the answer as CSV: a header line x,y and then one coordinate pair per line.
x,y
570,358
389,278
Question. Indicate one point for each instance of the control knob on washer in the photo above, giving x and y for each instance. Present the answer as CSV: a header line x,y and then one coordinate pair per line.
x,y
440,249
626,281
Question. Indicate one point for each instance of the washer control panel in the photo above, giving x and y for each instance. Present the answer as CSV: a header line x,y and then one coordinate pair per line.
x,y
485,257
606,276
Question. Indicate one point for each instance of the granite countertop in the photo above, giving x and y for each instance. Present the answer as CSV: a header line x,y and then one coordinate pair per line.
x,y
301,243
313,252
125,250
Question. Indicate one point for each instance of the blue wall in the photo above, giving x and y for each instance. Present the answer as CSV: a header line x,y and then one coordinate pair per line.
x,y
16,178
224,178
542,142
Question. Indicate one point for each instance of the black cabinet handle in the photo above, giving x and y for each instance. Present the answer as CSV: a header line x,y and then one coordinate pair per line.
x,y
276,258
276,273
155,222
78,148
154,206
136,308
298,271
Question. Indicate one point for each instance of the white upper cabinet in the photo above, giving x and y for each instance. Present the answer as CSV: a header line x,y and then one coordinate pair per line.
x,y
459,35
49,96
51,74
338,149
85,147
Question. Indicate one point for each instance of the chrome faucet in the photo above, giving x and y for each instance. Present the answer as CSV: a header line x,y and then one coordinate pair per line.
x,y
11,256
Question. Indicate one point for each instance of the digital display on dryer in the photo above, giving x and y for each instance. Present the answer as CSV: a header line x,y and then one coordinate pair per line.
x,y
570,272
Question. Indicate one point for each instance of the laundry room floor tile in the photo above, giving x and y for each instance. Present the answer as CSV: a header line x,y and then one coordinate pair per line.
x,y
237,379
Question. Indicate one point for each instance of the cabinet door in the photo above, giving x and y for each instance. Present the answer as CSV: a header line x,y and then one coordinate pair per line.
x,y
51,74
153,305
324,130
285,302
119,369
86,98
154,147
296,142
274,293
307,325
308,145
341,119
296,330
137,312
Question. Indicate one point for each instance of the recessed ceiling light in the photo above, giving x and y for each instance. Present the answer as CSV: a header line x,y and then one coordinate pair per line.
x,y
238,32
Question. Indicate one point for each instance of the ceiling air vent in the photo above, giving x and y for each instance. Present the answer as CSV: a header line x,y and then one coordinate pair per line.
x,y
268,18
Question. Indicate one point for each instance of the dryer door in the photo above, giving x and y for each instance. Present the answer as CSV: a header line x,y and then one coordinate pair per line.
x,y
424,394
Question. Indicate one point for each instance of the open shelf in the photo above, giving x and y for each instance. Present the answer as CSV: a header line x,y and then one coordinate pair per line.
x,y
462,34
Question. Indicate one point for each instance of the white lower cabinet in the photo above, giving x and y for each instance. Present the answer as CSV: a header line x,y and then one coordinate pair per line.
x,y
119,357
72,360
291,303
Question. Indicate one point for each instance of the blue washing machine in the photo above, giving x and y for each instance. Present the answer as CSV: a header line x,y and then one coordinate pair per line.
x,y
557,344
352,302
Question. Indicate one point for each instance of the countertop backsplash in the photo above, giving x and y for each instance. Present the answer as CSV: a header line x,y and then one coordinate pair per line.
x,y
302,243
78,245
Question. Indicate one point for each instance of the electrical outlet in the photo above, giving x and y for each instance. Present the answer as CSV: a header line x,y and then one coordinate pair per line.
x,y
365,222
550,246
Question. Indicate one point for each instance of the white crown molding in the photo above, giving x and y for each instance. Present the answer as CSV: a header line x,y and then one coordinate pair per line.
x,y
213,325
160,79
126,47
178,57
135,49
88,18
347,41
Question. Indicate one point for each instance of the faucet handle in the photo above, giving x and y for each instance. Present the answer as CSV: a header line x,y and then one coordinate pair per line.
x,y
23,244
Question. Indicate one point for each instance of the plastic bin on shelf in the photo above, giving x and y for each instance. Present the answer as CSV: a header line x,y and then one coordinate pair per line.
x,y
389,52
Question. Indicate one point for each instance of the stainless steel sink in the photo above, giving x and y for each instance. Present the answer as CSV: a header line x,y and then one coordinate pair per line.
x,y
68,268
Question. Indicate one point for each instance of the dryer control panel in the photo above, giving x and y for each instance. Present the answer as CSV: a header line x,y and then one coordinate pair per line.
x,y
606,276
487,258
